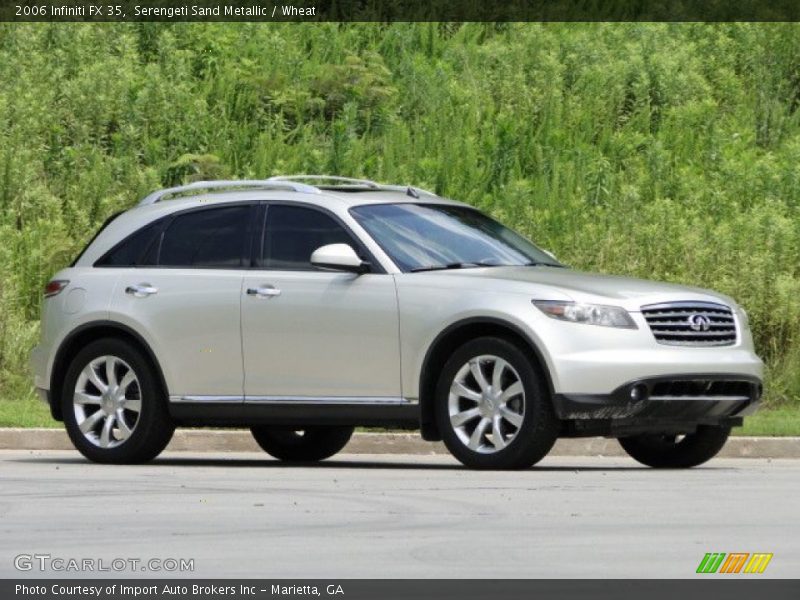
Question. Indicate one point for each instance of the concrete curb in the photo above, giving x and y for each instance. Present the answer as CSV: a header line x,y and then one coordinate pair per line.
x,y
216,440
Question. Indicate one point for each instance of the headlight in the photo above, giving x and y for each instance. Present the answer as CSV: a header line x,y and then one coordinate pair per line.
x,y
591,314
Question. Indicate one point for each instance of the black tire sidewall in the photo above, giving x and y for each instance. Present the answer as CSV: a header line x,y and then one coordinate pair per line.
x,y
539,428
695,449
153,429
317,443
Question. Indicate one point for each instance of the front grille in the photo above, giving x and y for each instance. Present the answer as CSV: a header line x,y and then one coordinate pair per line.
x,y
691,323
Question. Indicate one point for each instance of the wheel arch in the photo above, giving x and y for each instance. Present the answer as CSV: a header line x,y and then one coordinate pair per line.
x,y
86,334
451,338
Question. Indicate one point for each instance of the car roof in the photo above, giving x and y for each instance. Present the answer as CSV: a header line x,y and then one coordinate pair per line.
x,y
336,199
345,191
326,198
331,199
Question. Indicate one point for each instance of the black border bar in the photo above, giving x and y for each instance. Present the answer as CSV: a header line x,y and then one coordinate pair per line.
x,y
399,10
731,587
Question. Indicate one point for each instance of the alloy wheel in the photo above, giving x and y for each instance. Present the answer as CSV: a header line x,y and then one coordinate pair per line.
x,y
486,404
107,401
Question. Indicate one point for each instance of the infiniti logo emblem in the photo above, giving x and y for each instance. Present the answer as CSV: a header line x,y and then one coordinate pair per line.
x,y
699,322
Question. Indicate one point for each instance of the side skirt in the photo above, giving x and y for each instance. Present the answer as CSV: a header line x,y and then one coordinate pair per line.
x,y
235,411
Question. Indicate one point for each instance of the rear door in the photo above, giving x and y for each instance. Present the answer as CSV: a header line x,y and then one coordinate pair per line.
x,y
183,293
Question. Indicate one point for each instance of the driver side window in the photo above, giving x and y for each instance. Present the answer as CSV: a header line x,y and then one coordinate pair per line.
x,y
292,234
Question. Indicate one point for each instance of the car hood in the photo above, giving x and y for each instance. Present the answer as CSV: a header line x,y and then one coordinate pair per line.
x,y
549,283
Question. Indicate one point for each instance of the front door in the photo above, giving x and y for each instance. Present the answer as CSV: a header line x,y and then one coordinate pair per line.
x,y
311,335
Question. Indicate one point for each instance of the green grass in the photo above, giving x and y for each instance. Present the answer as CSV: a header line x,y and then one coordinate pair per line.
x,y
776,422
29,412
659,150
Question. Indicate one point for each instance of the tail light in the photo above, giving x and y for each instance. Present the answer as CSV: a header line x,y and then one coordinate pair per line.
x,y
53,288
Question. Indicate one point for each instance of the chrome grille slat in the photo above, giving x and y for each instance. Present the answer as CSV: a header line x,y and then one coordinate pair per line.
x,y
728,324
710,333
671,326
670,323
703,343
679,314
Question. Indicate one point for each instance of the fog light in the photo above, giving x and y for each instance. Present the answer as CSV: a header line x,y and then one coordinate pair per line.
x,y
639,392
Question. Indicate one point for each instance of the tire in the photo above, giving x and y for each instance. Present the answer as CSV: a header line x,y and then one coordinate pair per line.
x,y
301,444
514,400
114,431
668,452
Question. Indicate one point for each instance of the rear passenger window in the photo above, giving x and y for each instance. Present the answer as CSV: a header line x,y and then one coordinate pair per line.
x,y
131,252
293,233
210,238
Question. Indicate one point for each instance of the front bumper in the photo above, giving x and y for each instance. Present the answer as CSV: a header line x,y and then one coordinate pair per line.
x,y
588,360
665,403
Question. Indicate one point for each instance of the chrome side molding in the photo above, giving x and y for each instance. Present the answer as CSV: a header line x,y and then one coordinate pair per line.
x,y
206,399
308,400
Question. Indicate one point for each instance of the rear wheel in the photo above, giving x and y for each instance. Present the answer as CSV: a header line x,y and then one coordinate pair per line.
x,y
492,407
308,444
113,406
674,451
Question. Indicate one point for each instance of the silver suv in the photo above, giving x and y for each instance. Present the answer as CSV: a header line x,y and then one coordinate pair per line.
x,y
302,311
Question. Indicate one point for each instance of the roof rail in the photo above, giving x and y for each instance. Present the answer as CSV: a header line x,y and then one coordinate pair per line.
x,y
345,180
261,184
410,190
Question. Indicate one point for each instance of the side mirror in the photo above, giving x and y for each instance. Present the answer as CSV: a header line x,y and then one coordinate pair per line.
x,y
339,257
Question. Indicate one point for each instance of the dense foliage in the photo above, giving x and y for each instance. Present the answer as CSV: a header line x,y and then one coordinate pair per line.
x,y
668,151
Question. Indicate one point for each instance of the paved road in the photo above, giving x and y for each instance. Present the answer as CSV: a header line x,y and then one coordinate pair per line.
x,y
399,516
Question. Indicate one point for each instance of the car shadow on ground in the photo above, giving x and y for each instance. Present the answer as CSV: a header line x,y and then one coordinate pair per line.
x,y
268,463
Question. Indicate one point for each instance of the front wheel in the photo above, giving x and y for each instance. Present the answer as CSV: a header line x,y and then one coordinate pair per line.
x,y
304,444
493,408
674,451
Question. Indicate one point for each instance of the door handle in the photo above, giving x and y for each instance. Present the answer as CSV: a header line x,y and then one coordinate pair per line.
x,y
264,291
141,290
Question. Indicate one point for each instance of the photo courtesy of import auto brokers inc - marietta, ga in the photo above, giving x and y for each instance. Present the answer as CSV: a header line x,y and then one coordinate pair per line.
x,y
305,306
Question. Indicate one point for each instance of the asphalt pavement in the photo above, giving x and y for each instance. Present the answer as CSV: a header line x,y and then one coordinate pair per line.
x,y
392,516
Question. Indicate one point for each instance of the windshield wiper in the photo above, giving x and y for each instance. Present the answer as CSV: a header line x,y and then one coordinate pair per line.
x,y
542,264
453,265
474,265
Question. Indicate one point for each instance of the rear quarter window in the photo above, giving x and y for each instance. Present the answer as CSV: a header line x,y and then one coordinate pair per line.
x,y
136,249
105,224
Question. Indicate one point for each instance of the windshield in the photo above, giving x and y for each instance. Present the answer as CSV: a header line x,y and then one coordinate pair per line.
x,y
420,237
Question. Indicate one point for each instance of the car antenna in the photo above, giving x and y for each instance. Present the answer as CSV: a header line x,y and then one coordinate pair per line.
x,y
412,192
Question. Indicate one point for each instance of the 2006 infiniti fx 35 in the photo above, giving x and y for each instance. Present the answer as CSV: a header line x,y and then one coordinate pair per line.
x,y
302,311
